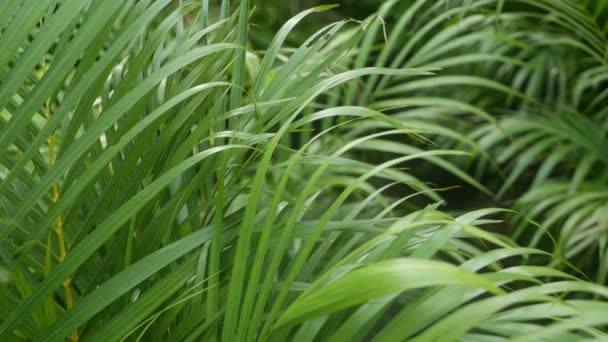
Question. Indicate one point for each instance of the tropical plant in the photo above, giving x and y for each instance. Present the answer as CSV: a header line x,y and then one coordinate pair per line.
x,y
162,181
537,89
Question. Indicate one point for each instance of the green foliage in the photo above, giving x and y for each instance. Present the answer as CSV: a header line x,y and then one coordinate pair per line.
x,y
162,180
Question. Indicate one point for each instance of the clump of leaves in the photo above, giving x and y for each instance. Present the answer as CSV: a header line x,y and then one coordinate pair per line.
x,y
168,183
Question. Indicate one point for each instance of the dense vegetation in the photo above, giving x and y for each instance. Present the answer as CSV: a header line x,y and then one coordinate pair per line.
x,y
183,170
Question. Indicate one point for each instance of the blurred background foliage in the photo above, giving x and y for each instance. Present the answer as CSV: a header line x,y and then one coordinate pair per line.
x,y
270,15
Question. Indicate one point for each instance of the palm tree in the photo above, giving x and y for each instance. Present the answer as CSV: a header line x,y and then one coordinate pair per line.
x,y
162,181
